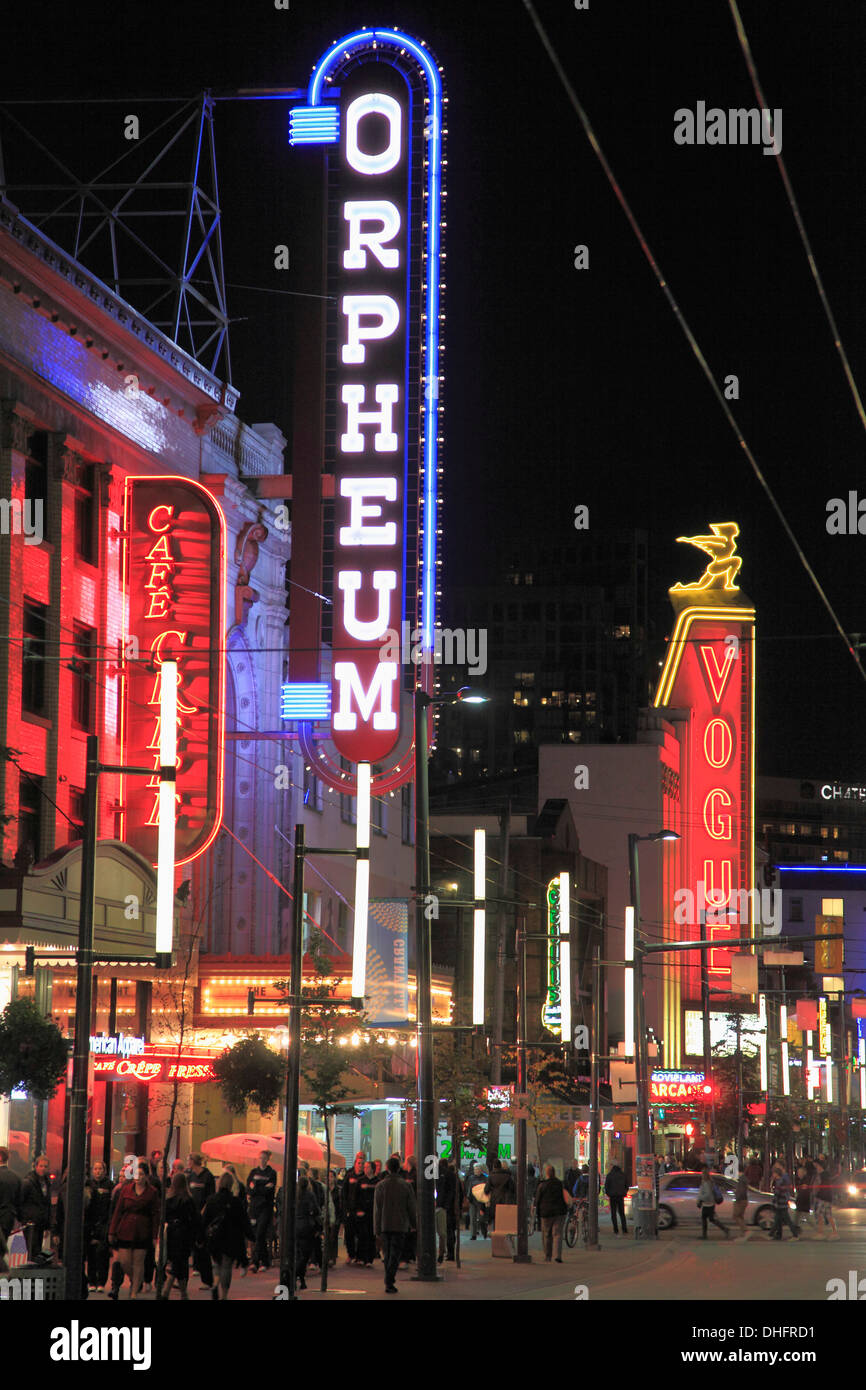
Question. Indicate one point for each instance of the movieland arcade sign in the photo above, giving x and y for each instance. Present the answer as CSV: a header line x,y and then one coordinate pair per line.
x,y
375,102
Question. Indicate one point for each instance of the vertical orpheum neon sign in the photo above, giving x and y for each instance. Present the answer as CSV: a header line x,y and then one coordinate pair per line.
x,y
174,582
710,670
556,1009
375,102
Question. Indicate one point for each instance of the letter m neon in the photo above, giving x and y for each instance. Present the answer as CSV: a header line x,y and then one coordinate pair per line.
x,y
381,690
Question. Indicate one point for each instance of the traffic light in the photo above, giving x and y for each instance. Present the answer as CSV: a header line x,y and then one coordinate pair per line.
x,y
30,960
251,1001
689,1129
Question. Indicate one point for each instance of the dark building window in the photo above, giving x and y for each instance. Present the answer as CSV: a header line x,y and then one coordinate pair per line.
x,y
84,676
86,515
346,802
34,628
36,484
30,801
76,813
406,813
312,790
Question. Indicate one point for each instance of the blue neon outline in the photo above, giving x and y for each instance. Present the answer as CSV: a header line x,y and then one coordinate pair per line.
x,y
396,39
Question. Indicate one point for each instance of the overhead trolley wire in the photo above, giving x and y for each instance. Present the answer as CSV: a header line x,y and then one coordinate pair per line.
x,y
689,335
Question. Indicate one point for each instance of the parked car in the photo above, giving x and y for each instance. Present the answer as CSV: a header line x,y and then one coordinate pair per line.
x,y
678,1202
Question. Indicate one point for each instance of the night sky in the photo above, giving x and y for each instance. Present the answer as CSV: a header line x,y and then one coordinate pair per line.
x,y
566,386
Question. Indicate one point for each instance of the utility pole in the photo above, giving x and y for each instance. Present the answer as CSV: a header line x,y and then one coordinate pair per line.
x,y
426,1138
594,1114
523,1256
293,1076
499,990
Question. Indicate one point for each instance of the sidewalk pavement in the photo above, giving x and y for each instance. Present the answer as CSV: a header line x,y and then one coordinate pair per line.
x,y
480,1275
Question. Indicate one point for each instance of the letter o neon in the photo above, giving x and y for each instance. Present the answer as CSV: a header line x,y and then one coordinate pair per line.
x,y
374,104
718,743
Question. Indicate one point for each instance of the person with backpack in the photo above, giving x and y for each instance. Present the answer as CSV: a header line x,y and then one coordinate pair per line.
x,y
710,1196
615,1189
226,1230
182,1229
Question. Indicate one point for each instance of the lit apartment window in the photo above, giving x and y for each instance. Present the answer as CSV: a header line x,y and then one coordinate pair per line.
x,y
832,907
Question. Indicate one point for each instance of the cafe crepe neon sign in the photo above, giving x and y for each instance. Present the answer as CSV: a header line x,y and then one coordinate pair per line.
x,y
385,134
174,577
710,669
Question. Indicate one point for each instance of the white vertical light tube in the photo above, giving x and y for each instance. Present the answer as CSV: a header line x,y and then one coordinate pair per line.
x,y
762,1019
783,1030
628,999
479,926
809,1066
362,883
828,1077
861,1053
565,957
167,808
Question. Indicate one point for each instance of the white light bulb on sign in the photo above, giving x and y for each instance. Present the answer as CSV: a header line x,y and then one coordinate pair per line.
x,y
628,994
479,927
362,883
167,788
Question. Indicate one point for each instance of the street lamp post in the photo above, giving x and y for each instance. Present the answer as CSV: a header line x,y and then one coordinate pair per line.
x,y
645,1223
426,1134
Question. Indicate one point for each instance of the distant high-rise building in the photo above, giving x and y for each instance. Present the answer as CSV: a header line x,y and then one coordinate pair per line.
x,y
562,637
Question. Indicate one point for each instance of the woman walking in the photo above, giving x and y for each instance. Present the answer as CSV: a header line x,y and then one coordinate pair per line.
x,y
226,1230
707,1195
182,1229
134,1228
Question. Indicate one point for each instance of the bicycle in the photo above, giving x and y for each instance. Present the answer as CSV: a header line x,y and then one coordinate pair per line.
x,y
577,1223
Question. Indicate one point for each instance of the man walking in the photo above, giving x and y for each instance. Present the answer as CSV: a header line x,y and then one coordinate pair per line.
x,y
708,1196
202,1186
394,1215
551,1203
10,1195
36,1206
261,1191
351,1204
615,1189
781,1190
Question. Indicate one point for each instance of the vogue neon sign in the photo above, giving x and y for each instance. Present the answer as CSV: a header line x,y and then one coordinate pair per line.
x,y
709,669
174,572
385,134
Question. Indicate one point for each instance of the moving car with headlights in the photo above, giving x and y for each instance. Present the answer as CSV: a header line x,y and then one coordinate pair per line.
x,y
678,1202
851,1189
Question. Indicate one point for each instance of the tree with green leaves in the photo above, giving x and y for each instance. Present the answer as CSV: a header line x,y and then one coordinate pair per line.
x,y
33,1051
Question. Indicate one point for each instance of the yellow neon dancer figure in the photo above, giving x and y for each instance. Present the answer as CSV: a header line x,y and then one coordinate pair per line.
x,y
724,563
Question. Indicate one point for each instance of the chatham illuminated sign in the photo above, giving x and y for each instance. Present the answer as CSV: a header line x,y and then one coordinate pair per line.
x,y
174,581
709,670
375,103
